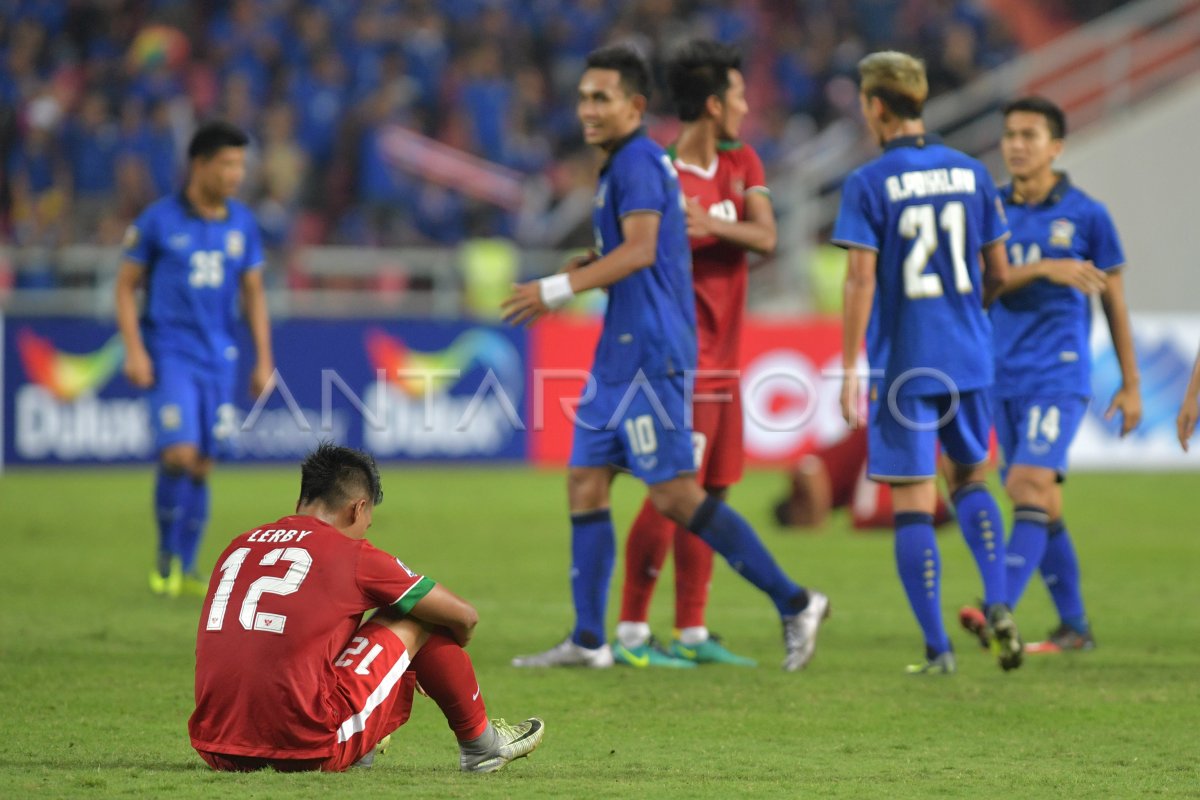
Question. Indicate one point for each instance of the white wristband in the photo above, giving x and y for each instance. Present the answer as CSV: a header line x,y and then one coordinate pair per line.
x,y
556,290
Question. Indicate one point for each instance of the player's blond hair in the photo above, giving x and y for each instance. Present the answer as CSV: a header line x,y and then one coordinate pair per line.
x,y
897,79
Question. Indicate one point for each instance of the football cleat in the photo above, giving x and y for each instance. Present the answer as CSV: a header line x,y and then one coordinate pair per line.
x,y
194,585
800,632
368,760
568,654
650,654
1006,640
939,664
511,742
974,622
169,585
710,651
1062,639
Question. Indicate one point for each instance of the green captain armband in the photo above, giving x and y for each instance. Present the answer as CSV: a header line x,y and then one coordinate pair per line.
x,y
404,604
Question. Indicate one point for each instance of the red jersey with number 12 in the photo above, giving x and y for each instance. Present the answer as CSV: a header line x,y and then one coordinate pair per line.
x,y
719,268
282,605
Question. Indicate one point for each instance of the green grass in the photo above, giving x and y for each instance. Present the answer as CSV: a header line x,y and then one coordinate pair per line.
x,y
96,675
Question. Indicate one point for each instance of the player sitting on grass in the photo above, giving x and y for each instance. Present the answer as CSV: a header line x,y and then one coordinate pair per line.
x,y
1064,247
287,674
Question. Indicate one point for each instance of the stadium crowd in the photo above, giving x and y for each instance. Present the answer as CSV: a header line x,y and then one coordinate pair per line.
x,y
97,98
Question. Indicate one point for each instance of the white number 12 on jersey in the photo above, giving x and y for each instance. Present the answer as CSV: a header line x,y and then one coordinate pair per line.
x,y
251,618
918,223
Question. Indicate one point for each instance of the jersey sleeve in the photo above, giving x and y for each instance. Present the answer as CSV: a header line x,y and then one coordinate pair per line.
x,y
756,178
640,184
1104,245
995,222
137,245
385,581
856,226
254,248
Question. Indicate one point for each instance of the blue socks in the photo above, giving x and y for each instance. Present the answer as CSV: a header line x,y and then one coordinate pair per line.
x,y
1060,570
194,518
730,535
171,490
1026,547
919,565
983,531
593,553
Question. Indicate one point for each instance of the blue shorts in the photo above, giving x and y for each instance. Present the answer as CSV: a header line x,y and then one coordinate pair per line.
x,y
641,427
1037,431
191,406
902,441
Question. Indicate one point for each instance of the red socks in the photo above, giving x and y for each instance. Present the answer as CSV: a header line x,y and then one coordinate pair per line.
x,y
645,552
444,671
693,574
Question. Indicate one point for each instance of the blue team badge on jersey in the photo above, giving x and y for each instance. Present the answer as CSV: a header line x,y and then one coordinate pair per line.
x,y
179,241
1062,231
235,244
601,191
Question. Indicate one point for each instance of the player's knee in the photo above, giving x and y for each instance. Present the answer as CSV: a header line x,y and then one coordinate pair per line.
x,y
1029,488
587,490
201,469
677,499
179,459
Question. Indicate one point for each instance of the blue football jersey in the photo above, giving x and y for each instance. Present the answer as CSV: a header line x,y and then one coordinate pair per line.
x,y
927,210
193,277
1043,330
650,323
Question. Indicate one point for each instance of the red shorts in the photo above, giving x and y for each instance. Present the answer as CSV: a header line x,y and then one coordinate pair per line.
x,y
717,433
374,684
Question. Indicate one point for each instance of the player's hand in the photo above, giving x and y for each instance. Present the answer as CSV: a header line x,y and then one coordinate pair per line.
x,y
420,689
1185,423
699,222
1081,275
139,369
1127,400
262,379
850,401
524,305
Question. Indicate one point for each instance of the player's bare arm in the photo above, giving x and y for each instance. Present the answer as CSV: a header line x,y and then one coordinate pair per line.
x,y
1082,275
254,297
756,233
996,271
139,369
1185,423
444,609
528,301
857,298
1128,399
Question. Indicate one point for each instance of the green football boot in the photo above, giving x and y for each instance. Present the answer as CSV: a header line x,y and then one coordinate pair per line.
x,y
650,654
710,651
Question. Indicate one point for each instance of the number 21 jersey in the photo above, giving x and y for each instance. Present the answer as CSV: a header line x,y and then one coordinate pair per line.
x,y
927,210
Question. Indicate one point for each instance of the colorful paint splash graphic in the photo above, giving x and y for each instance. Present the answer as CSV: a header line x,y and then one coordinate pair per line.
x,y
415,371
68,375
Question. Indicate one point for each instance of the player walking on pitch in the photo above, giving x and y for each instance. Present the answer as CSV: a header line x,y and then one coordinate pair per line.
x,y
915,221
287,674
1064,247
637,417
194,253
728,213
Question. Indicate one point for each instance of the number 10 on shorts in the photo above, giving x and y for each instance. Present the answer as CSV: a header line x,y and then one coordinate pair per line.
x,y
640,431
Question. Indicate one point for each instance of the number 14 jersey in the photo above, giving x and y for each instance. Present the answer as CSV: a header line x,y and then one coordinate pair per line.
x,y
284,602
927,210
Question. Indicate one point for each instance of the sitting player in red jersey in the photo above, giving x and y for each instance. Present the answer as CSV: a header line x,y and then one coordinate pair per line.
x,y
728,213
287,674
835,476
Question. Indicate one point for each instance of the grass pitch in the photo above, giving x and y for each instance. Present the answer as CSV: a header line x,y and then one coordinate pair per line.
x,y
96,674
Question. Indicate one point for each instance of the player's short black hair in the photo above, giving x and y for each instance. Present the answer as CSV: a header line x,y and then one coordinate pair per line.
x,y
213,136
697,71
334,476
1056,120
635,73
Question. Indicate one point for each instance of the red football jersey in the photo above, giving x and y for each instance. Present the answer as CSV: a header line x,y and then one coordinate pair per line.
x,y
281,607
719,268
